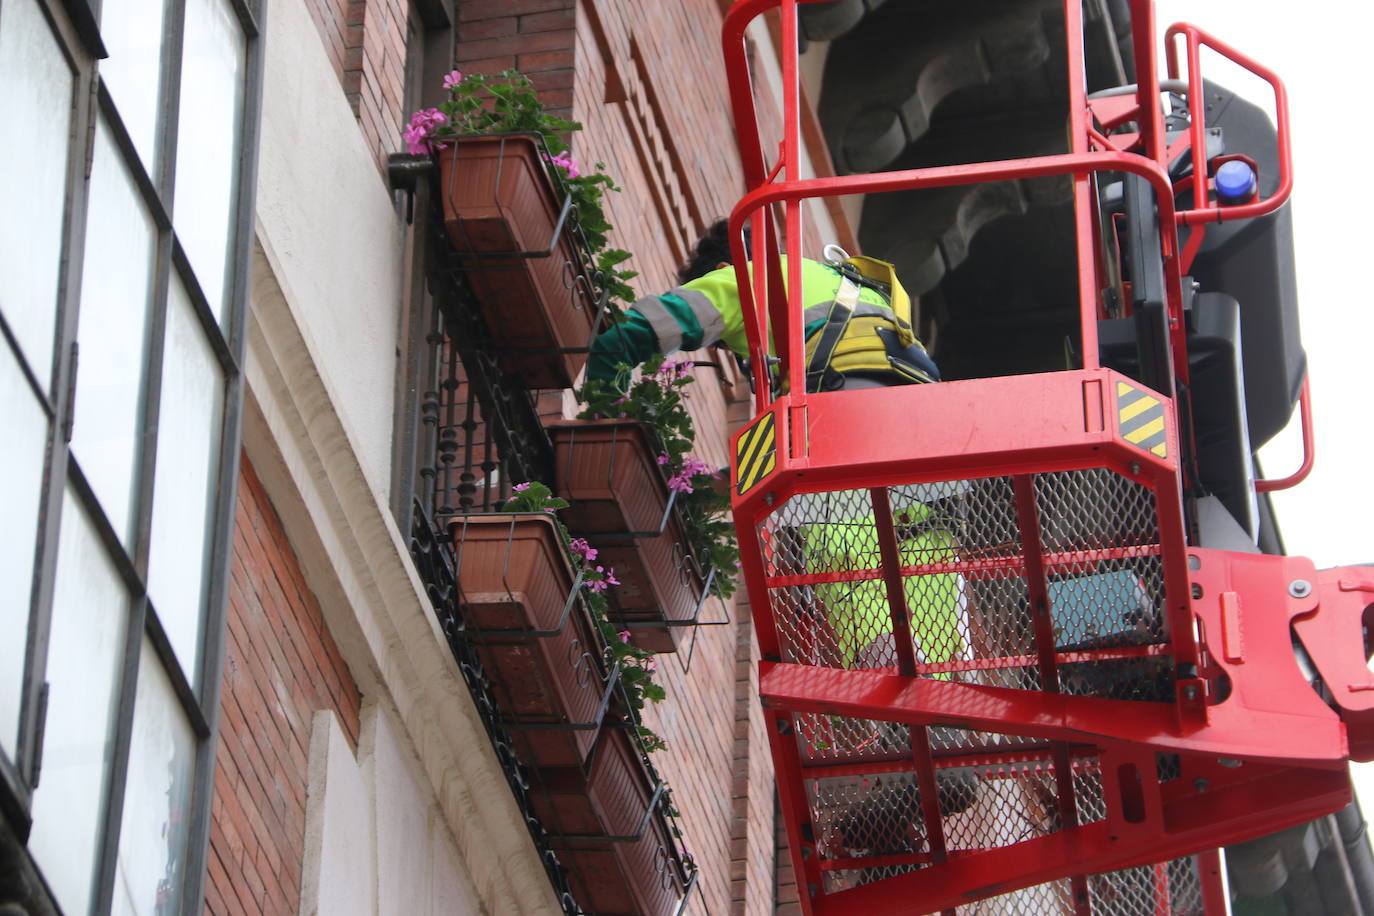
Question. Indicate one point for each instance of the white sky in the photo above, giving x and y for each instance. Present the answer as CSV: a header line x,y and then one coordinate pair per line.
x,y
1321,52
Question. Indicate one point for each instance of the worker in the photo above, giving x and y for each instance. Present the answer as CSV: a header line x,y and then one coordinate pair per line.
x,y
858,612
855,338
859,335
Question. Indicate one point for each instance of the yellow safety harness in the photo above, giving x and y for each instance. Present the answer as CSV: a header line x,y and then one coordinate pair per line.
x,y
861,338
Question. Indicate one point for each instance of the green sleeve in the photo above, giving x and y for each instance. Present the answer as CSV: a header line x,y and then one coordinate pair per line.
x,y
630,342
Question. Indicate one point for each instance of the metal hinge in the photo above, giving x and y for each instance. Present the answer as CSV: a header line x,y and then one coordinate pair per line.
x,y
69,420
40,731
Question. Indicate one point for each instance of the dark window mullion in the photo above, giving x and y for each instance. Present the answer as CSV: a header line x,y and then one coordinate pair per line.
x,y
107,852
119,136
171,665
30,376
169,89
249,17
146,466
222,540
205,319
82,143
107,855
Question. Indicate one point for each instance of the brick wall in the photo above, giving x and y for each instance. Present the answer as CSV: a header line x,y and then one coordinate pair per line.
x,y
653,103
332,19
374,70
281,665
535,37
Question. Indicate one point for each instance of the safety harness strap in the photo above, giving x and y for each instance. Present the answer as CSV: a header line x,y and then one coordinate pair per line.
x,y
858,337
830,334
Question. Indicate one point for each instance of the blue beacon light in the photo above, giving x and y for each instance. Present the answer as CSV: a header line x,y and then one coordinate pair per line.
x,y
1235,182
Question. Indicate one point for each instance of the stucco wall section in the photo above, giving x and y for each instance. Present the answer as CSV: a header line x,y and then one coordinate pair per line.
x,y
333,231
376,842
340,877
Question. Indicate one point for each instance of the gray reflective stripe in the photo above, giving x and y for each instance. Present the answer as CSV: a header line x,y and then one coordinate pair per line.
x,y
708,316
661,322
861,310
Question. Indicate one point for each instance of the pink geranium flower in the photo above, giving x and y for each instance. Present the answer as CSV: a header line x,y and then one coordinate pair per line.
x,y
422,125
624,636
520,487
584,550
681,482
453,79
564,161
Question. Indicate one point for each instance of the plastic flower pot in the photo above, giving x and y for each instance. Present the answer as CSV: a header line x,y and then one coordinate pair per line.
x,y
606,824
535,642
506,221
619,498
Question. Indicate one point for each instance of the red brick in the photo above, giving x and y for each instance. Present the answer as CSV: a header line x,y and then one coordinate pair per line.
x,y
546,60
489,65
471,10
546,22
518,44
487,28
557,98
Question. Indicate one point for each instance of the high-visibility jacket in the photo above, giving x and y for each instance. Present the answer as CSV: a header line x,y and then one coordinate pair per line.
x,y
858,611
707,310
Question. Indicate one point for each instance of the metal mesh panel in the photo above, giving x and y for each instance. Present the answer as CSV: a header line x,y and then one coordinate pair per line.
x,y
1087,793
863,816
1004,805
1105,582
1173,887
993,790
837,739
1167,887
965,587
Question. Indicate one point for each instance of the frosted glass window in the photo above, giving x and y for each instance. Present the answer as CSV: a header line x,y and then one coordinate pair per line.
x,y
89,620
112,333
133,34
21,479
189,422
36,105
212,73
152,836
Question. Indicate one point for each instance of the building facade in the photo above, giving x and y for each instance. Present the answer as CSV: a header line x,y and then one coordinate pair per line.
x,y
229,687
246,393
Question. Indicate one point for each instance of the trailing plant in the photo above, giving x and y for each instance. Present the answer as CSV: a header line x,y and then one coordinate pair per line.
x,y
504,103
637,666
656,398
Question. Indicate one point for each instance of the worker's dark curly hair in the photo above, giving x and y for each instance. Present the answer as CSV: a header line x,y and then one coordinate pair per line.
x,y
713,249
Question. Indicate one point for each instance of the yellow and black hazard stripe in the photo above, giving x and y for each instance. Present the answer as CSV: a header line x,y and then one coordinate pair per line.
x,y
756,453
1140,418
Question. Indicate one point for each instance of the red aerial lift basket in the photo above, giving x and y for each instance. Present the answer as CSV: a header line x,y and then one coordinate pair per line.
x,y
993,664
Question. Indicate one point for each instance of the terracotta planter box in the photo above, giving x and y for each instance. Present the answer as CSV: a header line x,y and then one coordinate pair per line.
x,y
546,669
501,209
620,860
618,494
